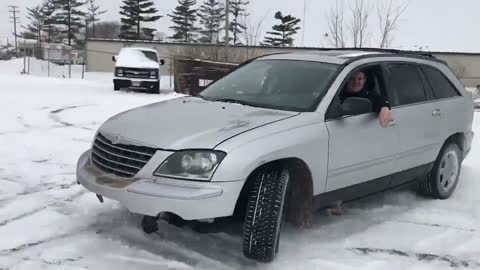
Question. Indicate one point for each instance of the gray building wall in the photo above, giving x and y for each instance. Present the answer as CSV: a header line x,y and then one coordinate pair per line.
x,y
99,56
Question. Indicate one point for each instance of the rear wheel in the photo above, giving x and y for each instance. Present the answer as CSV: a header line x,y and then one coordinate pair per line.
x,y
264,216
443,178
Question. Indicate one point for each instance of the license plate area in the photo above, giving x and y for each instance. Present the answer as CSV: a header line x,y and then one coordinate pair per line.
x,y
136,84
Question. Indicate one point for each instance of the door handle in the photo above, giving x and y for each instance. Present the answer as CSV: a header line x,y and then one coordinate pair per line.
x,y
436,113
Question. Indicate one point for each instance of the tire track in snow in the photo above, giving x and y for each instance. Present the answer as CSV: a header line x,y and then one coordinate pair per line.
x,y
54,116
432,225
422,257
52,204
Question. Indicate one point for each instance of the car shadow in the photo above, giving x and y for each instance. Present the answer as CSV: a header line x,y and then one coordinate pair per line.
x,y
218,245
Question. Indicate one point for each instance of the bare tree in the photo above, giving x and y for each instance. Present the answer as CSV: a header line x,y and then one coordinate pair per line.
x,y
252,33
388,16
336,26
359,24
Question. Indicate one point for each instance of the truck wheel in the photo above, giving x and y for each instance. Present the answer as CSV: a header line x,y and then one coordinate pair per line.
x,y
156,89
264,216
442,180
149,224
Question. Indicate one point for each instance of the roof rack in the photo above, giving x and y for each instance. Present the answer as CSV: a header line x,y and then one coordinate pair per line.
x,y
379,50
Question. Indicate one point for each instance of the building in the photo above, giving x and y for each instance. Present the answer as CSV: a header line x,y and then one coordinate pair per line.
x,y
100,51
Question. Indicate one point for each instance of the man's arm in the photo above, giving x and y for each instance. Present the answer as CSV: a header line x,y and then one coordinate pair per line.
x,y
382,107
379,102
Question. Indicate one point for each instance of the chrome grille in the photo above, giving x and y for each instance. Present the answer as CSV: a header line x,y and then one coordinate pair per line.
x,y
137,73
120,159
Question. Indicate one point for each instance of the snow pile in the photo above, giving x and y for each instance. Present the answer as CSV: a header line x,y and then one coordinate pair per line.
x,y
38,68
47,221
134,58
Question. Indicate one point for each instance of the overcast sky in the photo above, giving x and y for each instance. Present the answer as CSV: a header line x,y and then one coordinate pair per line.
x,y
442,25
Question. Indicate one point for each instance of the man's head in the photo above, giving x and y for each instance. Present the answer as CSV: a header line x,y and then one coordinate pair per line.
x,y
357,82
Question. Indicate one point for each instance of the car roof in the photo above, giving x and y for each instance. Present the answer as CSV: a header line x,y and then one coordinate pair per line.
x,y
140,48
346,56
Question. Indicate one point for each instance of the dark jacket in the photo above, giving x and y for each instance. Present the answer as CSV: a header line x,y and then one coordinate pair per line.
x,y
378,101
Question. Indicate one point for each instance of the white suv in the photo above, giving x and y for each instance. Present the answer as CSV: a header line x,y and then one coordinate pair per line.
x,y
273,140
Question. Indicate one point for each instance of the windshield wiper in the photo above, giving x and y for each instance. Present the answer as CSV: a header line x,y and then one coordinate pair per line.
x,y
236,101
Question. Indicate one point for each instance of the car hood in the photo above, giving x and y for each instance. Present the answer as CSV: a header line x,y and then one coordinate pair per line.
x,y
188,123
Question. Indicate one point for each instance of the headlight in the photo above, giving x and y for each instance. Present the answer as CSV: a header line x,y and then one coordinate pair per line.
x,y
191,165
120,72
153,74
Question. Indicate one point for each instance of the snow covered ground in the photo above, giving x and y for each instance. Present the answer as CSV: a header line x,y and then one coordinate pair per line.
x,y
47,221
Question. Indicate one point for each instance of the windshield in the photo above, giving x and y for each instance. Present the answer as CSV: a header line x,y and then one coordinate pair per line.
x,y
276,84
150,55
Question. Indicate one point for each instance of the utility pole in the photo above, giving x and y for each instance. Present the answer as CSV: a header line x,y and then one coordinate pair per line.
x,y
304,21
15,18
227,29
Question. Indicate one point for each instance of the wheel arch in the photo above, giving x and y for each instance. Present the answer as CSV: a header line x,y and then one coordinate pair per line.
x,y
299,207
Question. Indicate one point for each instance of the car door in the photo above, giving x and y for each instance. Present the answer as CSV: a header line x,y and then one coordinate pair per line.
x,y
360,149
449,104
416,117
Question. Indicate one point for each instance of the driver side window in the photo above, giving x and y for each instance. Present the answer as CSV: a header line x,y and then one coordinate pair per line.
x,y
361,86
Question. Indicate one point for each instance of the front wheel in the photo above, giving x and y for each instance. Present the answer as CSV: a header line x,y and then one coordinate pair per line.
x,y
264,216
155,89
443,178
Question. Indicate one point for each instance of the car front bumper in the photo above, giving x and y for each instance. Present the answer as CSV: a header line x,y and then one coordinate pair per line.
x,y
123,82
189,200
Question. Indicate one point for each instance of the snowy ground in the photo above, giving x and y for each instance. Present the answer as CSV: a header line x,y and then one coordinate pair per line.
x,y
47,221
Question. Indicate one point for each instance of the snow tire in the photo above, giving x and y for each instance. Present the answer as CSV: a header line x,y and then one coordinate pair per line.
x,y
265,213
433,185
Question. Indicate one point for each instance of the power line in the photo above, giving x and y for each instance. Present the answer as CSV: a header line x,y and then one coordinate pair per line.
x,y
15,18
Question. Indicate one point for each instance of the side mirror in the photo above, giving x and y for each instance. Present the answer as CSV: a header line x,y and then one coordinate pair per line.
x,y
162,62
114,58
355,106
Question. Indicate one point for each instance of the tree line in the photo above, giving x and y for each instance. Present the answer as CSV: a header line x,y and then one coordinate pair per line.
x,y
72,21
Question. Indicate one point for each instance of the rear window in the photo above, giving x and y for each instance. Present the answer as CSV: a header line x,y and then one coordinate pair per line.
x,y
442,87
406,85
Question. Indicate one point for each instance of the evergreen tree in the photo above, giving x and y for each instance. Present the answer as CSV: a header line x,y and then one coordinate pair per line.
x,y
93,13
238,10
34,29
69,18
211,14
282,34
52,32
184,18
135,12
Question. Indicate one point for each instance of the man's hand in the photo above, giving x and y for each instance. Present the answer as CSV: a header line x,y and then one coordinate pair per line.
x,y
385,116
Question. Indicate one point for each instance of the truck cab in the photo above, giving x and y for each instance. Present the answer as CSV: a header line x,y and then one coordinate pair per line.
x,y
138,69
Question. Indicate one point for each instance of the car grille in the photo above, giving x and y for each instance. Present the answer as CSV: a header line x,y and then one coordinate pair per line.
x,y
119,159
136,73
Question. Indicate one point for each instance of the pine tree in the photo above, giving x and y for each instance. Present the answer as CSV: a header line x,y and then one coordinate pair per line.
x,y
184,18
69,18
238,10
34,29
282,34
93,13
52,32
211,14
135,12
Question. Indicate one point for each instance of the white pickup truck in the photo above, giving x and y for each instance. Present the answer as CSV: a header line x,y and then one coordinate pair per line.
x,y
137,68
